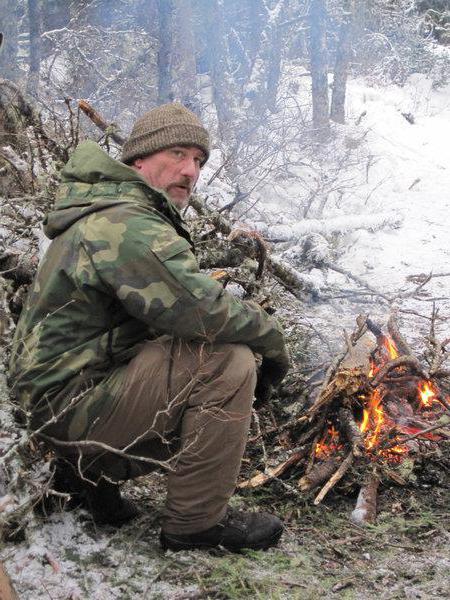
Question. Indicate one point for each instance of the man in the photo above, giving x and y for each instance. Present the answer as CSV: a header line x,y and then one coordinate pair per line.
x,y
127,357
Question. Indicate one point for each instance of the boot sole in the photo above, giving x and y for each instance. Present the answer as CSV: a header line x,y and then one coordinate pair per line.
x,y
177,545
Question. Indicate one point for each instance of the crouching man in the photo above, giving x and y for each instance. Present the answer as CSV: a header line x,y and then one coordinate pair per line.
x,y
127,357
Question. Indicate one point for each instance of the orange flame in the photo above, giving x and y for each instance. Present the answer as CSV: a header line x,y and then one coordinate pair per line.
x,y
375,416
427,394
329,444
390,347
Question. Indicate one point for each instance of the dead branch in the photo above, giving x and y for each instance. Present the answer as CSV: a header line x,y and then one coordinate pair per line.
x,y
30,117
394,332
351,431
414,292
344,467
254,239
401,361
296,283
421,277
270,474
357,280
108,128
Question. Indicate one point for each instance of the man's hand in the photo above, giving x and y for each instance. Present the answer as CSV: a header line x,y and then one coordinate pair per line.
x,y
270,375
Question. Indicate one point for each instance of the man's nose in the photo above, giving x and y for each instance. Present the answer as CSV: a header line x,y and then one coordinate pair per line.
x,y
190,168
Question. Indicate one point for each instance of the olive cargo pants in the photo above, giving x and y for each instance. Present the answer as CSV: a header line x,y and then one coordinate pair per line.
x,y
188,404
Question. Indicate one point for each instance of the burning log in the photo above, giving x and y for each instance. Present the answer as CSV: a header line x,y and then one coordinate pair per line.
x,y
366,505
400,342
395,363
352,431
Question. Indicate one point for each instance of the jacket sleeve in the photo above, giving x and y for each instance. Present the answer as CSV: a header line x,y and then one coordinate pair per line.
x,y
152,271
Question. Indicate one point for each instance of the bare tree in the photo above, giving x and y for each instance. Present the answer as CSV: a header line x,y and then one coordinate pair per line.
x,y
319,67
343,53
8,51
165,10
34,60
183,55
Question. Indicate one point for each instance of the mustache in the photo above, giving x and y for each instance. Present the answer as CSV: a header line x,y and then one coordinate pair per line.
x,y
184,182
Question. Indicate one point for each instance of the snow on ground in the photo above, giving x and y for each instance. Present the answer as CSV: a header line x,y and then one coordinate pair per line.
x,y
414,160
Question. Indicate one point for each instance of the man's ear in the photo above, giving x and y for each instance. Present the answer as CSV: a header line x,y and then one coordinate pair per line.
x,y
137,164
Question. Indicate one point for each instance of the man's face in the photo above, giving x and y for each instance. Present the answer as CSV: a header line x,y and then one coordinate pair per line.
x,y
174,170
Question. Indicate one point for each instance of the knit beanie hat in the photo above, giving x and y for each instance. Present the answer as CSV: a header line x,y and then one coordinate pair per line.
x,y
165,126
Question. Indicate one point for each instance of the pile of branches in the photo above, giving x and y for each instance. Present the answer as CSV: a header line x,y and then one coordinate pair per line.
x,y
378,409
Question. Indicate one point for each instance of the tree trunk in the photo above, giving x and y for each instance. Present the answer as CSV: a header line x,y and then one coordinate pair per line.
x,y
263,83
319,67
274,68
8,51
343,54
165,10
34,17
55,15
222,87
183,56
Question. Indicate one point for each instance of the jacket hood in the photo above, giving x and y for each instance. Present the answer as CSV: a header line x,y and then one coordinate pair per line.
x,y
90,164
92,181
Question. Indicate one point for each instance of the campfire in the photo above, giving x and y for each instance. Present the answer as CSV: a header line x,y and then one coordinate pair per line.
x,y
377,407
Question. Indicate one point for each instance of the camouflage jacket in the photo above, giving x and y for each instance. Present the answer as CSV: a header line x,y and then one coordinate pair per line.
x,y
120,269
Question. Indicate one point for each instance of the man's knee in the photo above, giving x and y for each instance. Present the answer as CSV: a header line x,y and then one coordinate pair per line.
x,y
237,360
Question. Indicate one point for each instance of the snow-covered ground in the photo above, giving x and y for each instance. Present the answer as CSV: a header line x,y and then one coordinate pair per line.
x,y
404,173
413,161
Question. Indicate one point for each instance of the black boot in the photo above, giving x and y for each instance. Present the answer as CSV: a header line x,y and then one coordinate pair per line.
x,y
101,498
237,530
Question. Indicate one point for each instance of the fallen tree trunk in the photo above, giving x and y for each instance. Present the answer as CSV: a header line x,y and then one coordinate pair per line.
x,y
342,225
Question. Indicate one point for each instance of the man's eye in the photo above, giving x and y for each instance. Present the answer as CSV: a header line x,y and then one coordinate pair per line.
x,y
178,153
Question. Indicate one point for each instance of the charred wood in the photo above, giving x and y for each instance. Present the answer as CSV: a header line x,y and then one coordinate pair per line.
x,y
351,431
401,361
402,346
